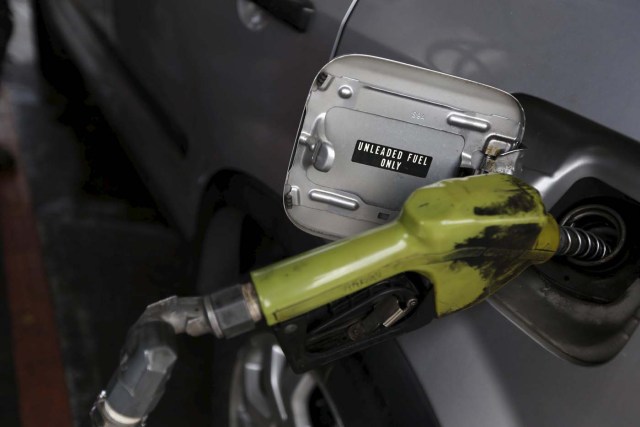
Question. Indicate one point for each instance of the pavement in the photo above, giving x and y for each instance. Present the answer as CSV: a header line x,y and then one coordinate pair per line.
x,y
105,251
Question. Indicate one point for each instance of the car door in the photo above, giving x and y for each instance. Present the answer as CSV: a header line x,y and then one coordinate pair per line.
x,y
230,76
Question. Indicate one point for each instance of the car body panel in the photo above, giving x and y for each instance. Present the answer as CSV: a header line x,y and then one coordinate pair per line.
x,y
146,140
236,92
237,107
479,368
100,12
580,55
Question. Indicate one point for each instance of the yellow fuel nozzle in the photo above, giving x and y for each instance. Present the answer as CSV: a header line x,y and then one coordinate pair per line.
x,y
468,236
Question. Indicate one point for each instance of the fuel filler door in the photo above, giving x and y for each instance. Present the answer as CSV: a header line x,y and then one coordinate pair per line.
x,y
374,130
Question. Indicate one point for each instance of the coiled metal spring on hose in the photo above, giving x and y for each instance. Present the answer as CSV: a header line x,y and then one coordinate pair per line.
x,y
582,245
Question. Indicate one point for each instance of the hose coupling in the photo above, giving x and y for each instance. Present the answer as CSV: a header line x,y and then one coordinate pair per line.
x,y
233,311
150,350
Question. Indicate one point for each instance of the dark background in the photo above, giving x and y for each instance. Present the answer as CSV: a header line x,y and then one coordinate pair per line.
x,y
107,250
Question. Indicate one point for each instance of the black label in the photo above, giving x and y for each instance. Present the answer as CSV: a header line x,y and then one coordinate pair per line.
x,y
393,159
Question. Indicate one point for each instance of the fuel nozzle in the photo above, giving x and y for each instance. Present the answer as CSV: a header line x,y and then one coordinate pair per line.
x,y
468,237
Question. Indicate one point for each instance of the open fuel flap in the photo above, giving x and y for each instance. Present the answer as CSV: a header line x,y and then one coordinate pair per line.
x,y
374,130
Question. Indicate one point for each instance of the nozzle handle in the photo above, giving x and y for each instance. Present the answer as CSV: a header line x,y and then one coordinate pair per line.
x,y
468,236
